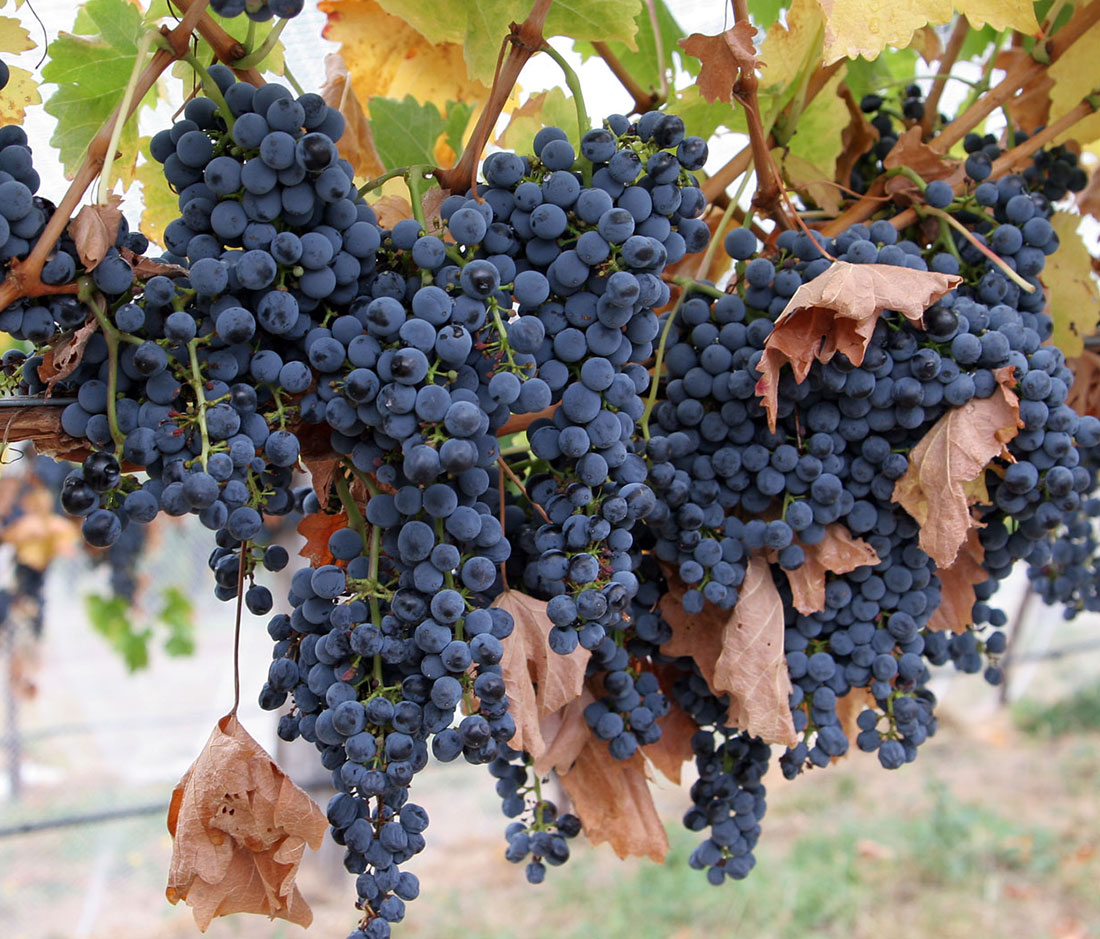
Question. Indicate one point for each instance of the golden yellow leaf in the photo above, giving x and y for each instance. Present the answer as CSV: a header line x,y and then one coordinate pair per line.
x,y
20,93
546,108
1074,77
866,27
239,830
1072,294
937,488
388,58
356,145
13,37
161,204
789,48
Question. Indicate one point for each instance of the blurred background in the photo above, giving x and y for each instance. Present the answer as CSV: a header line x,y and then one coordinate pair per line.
x,y
995,830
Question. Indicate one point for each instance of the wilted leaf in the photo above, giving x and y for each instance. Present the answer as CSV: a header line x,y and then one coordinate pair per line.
x,y
317,528
1074,301
239,830
857,138
866,27
20,93
837,312
432,204
357,144
95,229
612,799
62,358
13,37
804,177
937,489
838,552
391,210
1084,393
723,58
539,681
739,653
1088,199
957,583
322,471
910,151
673,749
1030,109
565,733
848,709
145,267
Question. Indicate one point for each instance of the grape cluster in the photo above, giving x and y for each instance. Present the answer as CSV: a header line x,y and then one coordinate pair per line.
x,y
259,11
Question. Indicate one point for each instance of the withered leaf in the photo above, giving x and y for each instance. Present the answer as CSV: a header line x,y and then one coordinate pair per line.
x,y
565,733
317,528
357,143
910,151
838,552
612,799
144,267
62,358
673,749
432,204
957,583
837,312
239,830
1088,199
723,59
538,681
322,471
858,137
95,229
848,709
391,210
1084,393
947,466
1030,108
739,653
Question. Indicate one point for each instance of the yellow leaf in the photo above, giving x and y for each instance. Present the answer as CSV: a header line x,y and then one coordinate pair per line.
x,y
389,58
866,27
161,205
1074,299
789,51
540,110
1074,77
13,37
19,93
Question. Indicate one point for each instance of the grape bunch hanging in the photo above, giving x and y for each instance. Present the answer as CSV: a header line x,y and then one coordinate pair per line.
x,y
540,449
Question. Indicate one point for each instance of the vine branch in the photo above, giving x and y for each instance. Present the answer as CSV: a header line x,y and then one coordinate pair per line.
x,y
943,72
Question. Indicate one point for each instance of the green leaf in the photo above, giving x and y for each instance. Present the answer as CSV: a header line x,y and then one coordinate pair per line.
x,y
481,25
882,74
92,75
405,132
643,64
701,118
543,109
458,119
765,12
817,133
110,617
977,41
178,615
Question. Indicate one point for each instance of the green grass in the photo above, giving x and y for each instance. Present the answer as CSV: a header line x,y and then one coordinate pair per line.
x,y
1080,712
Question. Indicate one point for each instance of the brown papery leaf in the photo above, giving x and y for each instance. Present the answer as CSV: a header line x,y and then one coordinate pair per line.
x,y
538,681
322,471
838,552
357,143
912,152
239,830
1084,393
848,709
612,799
673,748
391,210
61,360
317,528
95,229
565,733
723,58
858,137
939,486
432,203
1088,199
697,635
144,267
957,582
752,666
837,312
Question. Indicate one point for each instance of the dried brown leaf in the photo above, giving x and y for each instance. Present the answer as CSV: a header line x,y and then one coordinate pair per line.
x,y
95,229
391,210
565,733
938,488
910,151
239,830
837,312
539,682
1088,199
317,528
848,709
1084,393
838,552
431,204
673,749
144,267
612,799
957,582
357,143
322,471
858,137
723,59
62,358
1030,109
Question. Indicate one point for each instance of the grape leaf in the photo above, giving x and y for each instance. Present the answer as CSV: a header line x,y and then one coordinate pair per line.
x,y
910,151
545,108
806,179
457,116
848,709
723,57
1030,109
612,799
866,27
858,137
389,56
405,132
703,117
177,614
39,534
391,209
1084,393
21,91
317,528
956,609
646,63
565,733
160,204
538,681
838,552
1074,77
816,140
939,486
673,748
239,830
111,618
790,52
357,143
1088,199
739,653
95,229
837,312
1071,287
92,75
62,358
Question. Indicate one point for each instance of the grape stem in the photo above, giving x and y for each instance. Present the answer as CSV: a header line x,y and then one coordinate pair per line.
x,y
196,382
993,257
211,89
574,83
347,500
256,57
414,176
507,470
371,184
658,364
118,119
93,300
237,630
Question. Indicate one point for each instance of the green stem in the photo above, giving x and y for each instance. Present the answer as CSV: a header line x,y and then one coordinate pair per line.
x,y
210,89
123,109
371,184
355,517
574,83
995,258
289,76
659,362
415,176
88,296
197,384
256,57
366,481
250,37
712,248
912,175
